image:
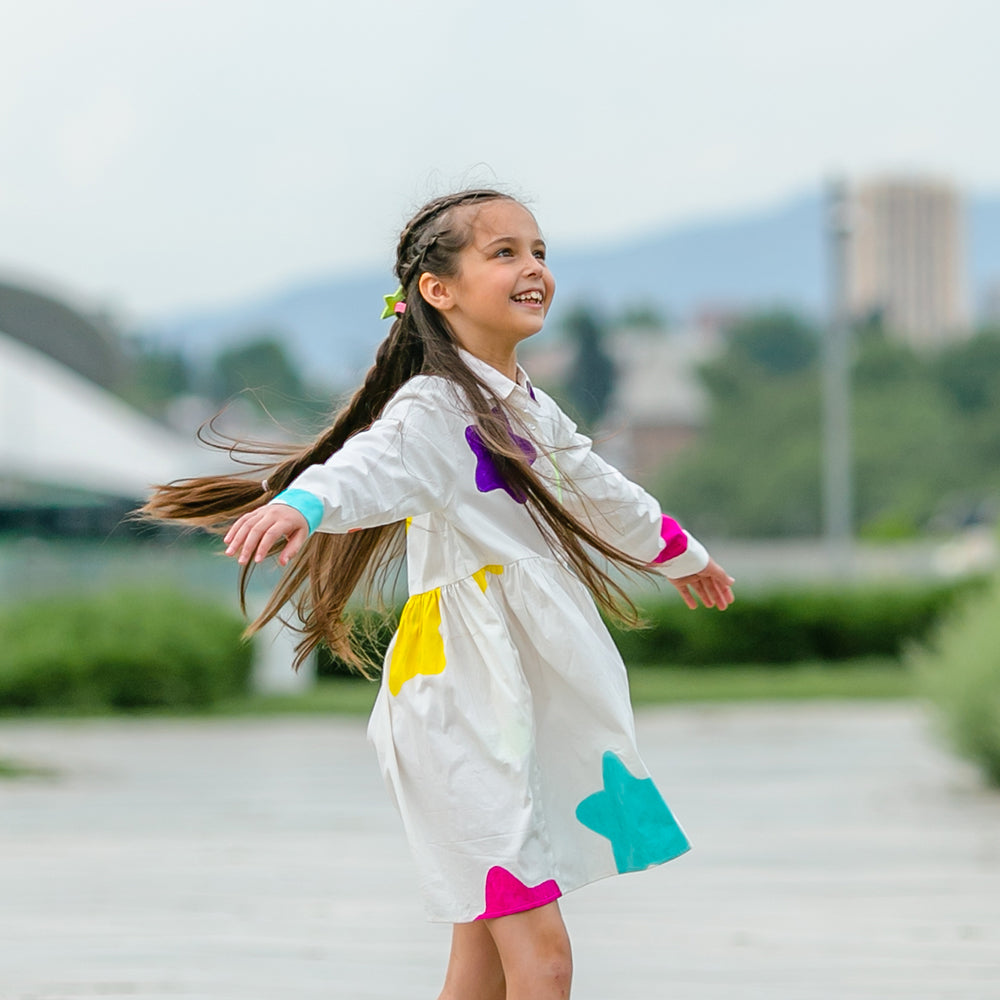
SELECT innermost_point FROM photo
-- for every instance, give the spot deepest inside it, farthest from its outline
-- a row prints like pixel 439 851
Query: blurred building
pixel 49 323
pixel 658 406
pixel 907 259
pixel 74 458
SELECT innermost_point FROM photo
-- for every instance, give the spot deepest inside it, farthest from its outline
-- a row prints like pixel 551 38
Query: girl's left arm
pixel 713 586
pixel 628 517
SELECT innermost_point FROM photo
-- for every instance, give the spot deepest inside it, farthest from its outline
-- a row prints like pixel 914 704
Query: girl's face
pixel 503 287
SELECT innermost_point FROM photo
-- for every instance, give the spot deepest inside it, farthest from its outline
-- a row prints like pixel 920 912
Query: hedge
pixel 959 669
pixel 120 650
pixel 776 627
pixel 789 626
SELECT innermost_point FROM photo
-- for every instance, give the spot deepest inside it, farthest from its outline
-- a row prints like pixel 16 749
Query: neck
pixel 503 360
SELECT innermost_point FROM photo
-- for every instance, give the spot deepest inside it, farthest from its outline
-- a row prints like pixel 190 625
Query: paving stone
pixel 839 852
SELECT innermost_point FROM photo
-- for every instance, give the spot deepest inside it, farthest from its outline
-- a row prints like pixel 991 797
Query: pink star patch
pixel 506 894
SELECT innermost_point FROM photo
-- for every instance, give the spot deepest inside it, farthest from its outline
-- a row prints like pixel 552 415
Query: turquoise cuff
pixel 307 504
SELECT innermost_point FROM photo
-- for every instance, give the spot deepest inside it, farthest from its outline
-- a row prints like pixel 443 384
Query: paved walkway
pixel 840 854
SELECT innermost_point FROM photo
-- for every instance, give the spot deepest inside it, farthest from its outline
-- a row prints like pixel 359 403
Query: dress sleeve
pixel 620 511
pixel 395 469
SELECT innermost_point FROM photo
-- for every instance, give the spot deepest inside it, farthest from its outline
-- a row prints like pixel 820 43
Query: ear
pixel 436 291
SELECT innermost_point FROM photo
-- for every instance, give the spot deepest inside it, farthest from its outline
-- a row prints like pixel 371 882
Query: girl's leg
pixel 474 969
pixel 535 951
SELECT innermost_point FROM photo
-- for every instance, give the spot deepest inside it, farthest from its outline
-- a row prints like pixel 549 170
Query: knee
pixel 535 952
pixel 557 972
pixel 553 965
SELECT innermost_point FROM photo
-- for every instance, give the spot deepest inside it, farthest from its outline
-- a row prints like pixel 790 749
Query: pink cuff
pixel 675 541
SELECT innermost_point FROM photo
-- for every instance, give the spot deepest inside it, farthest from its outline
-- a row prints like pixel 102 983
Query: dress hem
pixel 566 891
pixel 534 905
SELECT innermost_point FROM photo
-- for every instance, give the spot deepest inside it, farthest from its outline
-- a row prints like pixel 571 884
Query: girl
pixel 503 726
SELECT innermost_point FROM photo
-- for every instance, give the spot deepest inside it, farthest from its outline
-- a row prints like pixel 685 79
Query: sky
pixel 164 155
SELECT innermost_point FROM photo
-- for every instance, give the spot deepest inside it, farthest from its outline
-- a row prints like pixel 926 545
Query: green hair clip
pixel 394 304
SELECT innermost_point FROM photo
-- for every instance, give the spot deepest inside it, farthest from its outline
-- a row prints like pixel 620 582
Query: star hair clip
pixel 395 304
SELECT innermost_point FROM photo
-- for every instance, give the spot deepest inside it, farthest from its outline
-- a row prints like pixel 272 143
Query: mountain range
pixel 770 256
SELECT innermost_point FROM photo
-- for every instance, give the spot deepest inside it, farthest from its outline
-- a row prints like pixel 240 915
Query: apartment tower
pixel 906 259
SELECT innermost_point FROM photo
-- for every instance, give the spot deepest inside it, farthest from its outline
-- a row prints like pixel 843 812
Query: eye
pixel 540 254
pixel 504 252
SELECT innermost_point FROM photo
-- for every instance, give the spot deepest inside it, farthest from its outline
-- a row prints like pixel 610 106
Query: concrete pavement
pixel 840 852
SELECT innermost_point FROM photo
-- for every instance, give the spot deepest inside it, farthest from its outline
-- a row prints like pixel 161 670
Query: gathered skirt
pixel 504 732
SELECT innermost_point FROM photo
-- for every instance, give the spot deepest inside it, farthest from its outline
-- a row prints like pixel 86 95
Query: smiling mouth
pixel 534 297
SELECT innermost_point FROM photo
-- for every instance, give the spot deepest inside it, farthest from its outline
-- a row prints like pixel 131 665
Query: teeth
pixel 528 297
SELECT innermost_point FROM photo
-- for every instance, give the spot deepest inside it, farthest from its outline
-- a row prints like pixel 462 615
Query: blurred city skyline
pixel 158 156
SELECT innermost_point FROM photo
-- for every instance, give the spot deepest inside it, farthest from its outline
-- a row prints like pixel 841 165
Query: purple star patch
pixel 488 476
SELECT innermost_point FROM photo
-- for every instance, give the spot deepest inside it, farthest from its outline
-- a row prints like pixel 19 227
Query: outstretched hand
pixel 254 534
pixel 713 586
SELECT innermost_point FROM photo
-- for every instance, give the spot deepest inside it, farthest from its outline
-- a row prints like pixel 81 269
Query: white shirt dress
pixel 503 725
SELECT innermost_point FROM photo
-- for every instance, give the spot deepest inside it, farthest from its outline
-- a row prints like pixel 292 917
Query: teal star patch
pixel 631 813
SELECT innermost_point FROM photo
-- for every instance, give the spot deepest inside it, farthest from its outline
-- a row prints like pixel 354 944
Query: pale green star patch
pixel 391 301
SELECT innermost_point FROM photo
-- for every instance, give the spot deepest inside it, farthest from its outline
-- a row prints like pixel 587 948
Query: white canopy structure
pixel 58 430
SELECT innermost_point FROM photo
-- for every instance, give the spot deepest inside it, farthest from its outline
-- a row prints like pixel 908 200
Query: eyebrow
pixel 511 239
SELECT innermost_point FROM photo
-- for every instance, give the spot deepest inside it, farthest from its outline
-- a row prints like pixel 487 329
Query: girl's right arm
pixel 399 467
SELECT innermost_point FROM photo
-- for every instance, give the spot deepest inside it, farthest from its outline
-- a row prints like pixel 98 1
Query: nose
pixel 533 265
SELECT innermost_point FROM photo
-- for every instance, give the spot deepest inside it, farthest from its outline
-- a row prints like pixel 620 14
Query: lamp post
pixel 837 479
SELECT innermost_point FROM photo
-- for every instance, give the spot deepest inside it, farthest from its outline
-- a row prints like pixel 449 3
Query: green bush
pixel 777 627
pixel 787 626
pixel 120 650
pixel 959 668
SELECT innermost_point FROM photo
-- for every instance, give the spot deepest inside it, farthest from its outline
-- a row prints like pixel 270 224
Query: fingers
pixel 253 535
pixel 686 596
pixel 720 597
pixel 724 594
pixel 244 537
pixel 293 543
pixel 712 586
pixel 237 534
pixel 705 589
pixel 717 592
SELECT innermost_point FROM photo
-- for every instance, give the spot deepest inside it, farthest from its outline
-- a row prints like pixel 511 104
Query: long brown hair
pixel 319 581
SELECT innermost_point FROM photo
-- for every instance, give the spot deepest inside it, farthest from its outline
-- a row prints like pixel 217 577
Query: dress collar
pixel 501 386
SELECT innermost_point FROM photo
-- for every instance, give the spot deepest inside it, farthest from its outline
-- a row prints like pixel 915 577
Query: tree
pixel 262 366
pixel 591 380
pixel 909 453
pixel 926 434
pixel 773 343
pixel 643 315
pixel 755 469
pixel 155 376
pixel 969 371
